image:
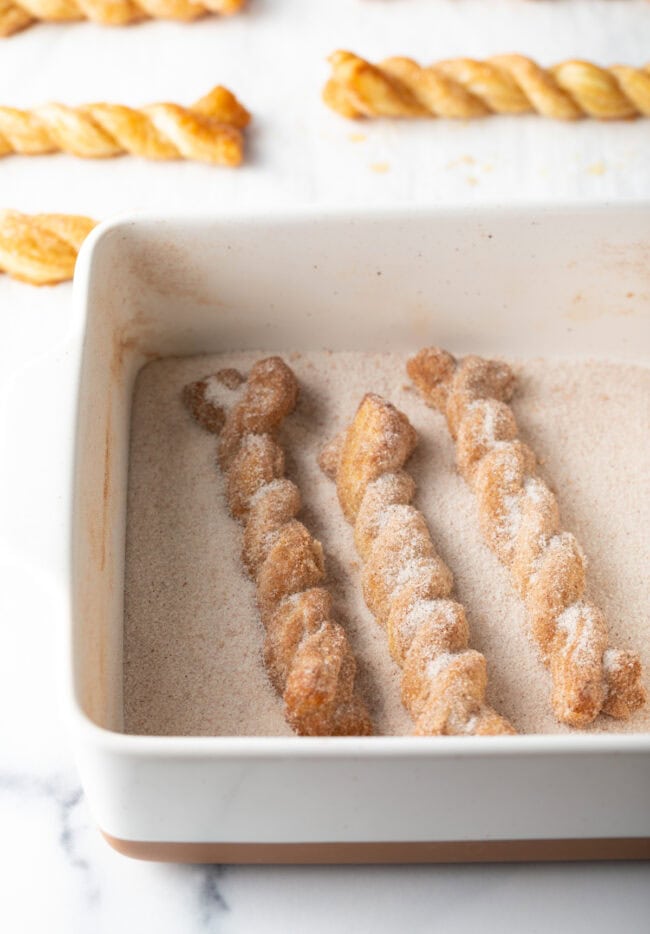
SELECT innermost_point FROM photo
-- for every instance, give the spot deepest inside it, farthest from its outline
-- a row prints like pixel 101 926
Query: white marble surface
pixel 56 874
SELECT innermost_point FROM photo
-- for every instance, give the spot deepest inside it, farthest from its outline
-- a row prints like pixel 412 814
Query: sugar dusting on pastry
pixel 548 564
pixel 193 647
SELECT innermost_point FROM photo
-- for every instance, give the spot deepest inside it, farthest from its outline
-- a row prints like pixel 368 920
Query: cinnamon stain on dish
pixel 461 161
pixel 167 268
pixel 586 309
pixel 126 339
pixel 628 258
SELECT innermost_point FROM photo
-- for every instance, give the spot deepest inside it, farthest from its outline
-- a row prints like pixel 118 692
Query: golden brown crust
pixel 406 585
pixel 464 88
pixel 202 398
pixel 300 615
pixel 209 131
pixel 625 681
pixel 319 694
pixel 329 457
pixel 294 563
pixel 18 14
pixel 307 654
pixel 209 416
pixel 258 462
pixel 389 489
pixel 520 522
pixel 403 557
pixel 272 508
pixel 271 394
pixel 364 455
pixel 41 248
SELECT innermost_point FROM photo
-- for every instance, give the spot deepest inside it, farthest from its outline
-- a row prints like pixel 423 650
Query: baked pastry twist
pixel 504 84
pixel 307 654
pixel 18 14
pixel 41 248
pixel 520 522
pixel 208 131
pixel 406 585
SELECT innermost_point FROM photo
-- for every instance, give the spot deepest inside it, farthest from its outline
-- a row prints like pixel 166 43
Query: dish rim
pixel 281 747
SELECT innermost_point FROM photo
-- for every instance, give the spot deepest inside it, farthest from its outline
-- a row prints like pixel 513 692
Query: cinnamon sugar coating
pixel 320 686
pixel 403 557
pixel 199 398
pixel 258 462
pixel 271 394
pixel 306 652
pixel 406 585
pixel 271 508
pixel 304 614
pixel 209 416
pixel 520 522
pixel 379 441
pixel 293 564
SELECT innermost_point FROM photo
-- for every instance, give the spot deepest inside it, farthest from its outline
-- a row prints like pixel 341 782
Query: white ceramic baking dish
pixel 530 281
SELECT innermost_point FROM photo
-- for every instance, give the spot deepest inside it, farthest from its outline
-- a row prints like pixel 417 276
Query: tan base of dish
pixel 455 851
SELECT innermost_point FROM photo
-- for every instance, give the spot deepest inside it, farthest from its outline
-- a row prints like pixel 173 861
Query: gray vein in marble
pixel 211 902
pixel 73 824
pixel 66 798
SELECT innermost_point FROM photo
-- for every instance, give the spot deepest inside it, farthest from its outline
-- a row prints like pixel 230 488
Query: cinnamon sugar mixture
pixel 192 640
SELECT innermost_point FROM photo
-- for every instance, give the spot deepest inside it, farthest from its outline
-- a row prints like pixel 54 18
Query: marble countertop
pixel 56 872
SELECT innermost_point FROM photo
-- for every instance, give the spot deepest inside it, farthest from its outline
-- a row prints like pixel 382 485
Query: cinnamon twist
pixel 208 131
pixel 18 14
pixel 41 248
pixel 504 84
pixel 307 654
pixel 520 522
pixel 406 585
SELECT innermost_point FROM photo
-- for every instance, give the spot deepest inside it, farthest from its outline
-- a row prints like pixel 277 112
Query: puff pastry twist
pixel 504 84
pixel 208 131
pixel 41 248
pixel 520 521
pixel 406 585
pixel 18 14
pixel 307 654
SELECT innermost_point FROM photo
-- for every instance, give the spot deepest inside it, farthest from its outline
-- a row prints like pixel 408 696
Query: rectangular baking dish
pixel 530 281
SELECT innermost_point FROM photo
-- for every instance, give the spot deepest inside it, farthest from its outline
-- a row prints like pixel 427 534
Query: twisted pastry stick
pixel 41 248
pixel 520 522
pixel 208 131
pixel 307 654
pixel 503 84
pixel 406 585
pixel 18 14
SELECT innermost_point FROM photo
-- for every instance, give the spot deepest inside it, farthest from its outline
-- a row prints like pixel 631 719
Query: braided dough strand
pixel 520 522
pixel 18 14
pixel 307 654
pixel 504 84
pixel 209 131
pixel 41 248
pixel 406 585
